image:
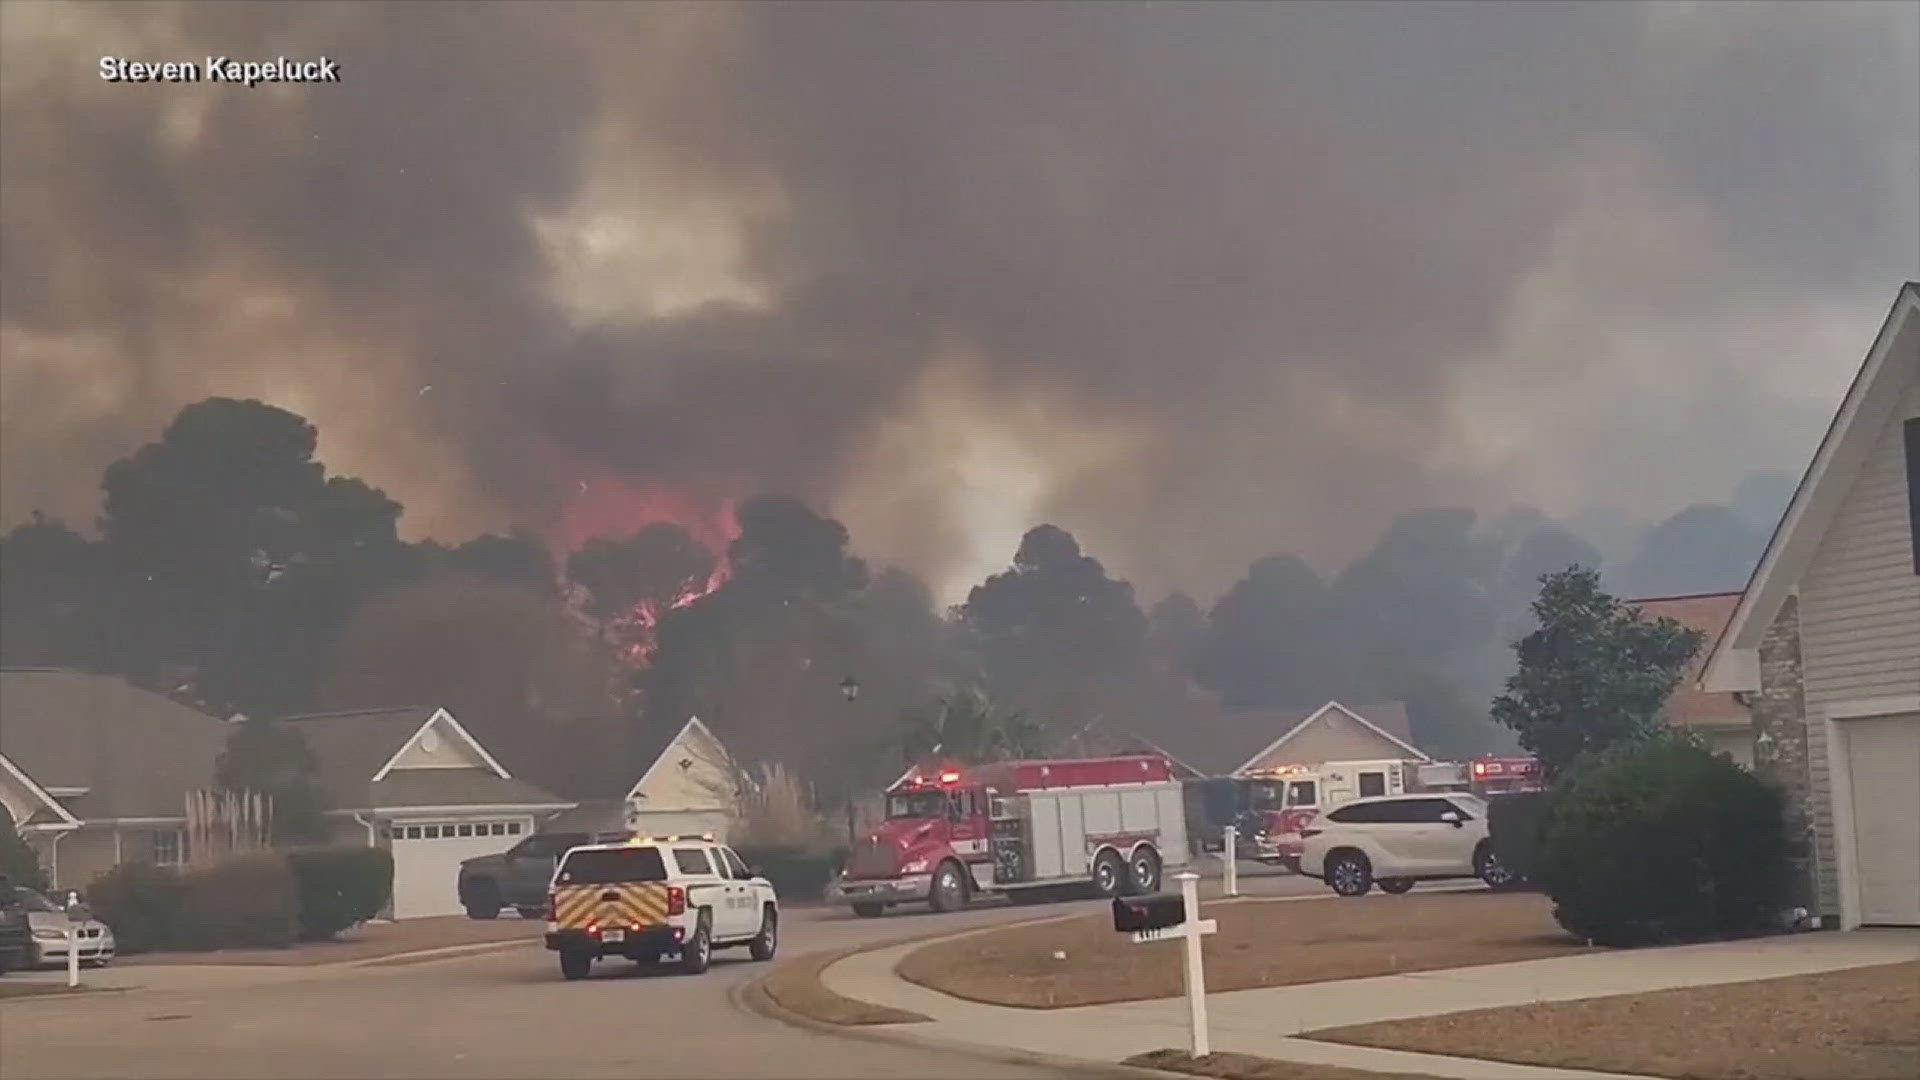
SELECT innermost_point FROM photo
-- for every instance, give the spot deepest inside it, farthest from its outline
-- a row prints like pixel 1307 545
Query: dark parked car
pixel 516 878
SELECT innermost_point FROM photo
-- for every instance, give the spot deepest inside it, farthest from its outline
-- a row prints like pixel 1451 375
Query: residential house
pixel 1721 720
pixel 690 785
pixel 1233 742
pixel 414 781
pixel 96 771
pixel 1825 644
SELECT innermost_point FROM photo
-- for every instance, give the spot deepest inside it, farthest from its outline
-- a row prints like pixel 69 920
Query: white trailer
pixel 1119 838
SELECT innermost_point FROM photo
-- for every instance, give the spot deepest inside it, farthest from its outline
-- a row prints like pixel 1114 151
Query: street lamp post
pixel 850 689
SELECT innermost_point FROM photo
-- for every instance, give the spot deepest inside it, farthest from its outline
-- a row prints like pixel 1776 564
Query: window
pixel 735 864
pixel 513 828
pixel 721 866
pixel 1362 814
pixel 918 804
pixel 466 830
pixel 1427 811
pixel 432 832
pixel 692 860
pixel 612 866
pixel 1912 428
pixel 1302 793
pixel 1372 783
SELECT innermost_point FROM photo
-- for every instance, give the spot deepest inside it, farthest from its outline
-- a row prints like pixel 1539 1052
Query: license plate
pixel 613 935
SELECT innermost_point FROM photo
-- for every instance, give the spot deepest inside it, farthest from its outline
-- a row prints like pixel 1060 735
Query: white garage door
pixel 1884 755
pixel 427 857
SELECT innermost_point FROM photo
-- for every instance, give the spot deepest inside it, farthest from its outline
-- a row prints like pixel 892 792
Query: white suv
pixel 1396 840
pixel 645 897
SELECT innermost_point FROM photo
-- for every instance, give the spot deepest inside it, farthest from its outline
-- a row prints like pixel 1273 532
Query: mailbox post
pixel 1163 918
pixel 1232 856
pixel 74 915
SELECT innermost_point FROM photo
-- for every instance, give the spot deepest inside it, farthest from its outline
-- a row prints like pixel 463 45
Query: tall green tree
pixel 1055 635
pixel 1277 638
pixel 53 598
pixel 967 725
pixel 273 758
pixel 1595 674
pixel 18 863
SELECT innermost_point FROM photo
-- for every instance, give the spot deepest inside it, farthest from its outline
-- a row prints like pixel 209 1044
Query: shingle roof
pixel 1708 613
pixel 1216 741
pixel 136 752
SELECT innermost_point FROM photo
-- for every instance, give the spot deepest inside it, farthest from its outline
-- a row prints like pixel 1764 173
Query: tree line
pixel 232 570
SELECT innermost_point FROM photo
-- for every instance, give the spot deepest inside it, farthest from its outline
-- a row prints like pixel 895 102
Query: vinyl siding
pixel 1860 614
pixel 1333 737
pixel 705 784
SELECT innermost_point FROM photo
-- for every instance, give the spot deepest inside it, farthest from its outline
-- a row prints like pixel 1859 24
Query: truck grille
pixel 871 860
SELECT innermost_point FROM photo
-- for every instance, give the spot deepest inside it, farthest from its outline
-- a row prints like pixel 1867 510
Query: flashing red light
pixel 593 928
pixel 949 777
pixel 634 927
pixel 1479 768
pixel 676 900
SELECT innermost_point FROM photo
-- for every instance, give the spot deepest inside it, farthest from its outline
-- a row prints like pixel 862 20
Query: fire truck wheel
pixel 1349 873
pixel 1109 875
pixel 867 910
pixel 1144 871
pixel 949 892
pixel 1396 885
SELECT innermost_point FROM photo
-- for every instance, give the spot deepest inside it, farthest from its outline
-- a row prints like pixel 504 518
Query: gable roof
pixel 1709 614
pixel 692 726
pixel 1864 412
pixel 355 752
pixel 135 753
pixel 1333 708
pixel 1209 740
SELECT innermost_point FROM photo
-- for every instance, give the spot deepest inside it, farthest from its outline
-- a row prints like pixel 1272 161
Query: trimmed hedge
pixel 1664 841
pixel 141 903
pixel 796 875
pixel 339 887
pixel 243 903
pixel 1514 823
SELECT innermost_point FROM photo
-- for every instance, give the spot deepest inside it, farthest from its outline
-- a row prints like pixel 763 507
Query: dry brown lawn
pixel 1260 943
pixel 796 987
pixel 1247 1067
pixel 1860 1024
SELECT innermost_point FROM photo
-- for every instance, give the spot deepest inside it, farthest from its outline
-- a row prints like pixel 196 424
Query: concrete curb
pixel 751 997
pixel 423 956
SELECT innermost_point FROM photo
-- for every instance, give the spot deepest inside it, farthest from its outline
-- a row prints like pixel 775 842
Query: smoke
pixel 1196 284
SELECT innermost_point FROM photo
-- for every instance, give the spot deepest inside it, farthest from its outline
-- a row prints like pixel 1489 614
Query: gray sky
pixel 1197 282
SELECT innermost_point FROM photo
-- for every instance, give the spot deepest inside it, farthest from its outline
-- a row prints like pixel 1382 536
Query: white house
pixel 689 788
pixel 1825 643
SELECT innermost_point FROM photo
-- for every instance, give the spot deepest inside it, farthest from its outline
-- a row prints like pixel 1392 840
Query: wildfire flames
pixel 611 508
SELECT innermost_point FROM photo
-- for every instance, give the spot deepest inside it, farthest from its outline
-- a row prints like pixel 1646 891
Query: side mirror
pixel 1452 817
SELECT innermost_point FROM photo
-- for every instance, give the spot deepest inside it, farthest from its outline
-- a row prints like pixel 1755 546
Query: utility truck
pixel 1032 830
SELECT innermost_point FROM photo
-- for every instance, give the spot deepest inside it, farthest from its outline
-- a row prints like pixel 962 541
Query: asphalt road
pixel 505 1014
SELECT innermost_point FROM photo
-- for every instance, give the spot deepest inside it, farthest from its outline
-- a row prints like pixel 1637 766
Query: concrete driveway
pixel 505 1014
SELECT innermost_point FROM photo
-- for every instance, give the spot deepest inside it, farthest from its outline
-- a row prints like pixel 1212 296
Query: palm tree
pixel 967 725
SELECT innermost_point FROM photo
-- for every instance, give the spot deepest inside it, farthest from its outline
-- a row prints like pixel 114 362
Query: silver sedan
pixel 51 926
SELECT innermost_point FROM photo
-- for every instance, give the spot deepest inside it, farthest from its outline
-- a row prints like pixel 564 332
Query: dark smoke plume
pixel 1198 283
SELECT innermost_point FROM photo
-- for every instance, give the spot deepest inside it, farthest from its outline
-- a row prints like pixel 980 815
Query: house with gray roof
pixel 95 771
pixel 1234 742
pixel 416 782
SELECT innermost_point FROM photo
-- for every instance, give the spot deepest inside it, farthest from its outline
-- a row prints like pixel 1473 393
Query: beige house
pixel 690 787
pixel 96 771
pixel 1825 644
pixel 1231 742
pixel 414 781
pixel 1721 720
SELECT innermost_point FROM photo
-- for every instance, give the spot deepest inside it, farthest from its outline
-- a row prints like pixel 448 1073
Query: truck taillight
pixel 676 900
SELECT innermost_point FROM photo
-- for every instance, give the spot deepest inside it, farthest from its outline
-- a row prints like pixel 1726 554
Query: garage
pixel 427 857
pixel 1883 758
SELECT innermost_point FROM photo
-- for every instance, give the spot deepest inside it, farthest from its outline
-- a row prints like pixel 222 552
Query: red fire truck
pixel 1500 775
pixel 1029 829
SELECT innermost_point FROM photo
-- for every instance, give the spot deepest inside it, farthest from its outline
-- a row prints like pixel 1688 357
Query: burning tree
pixel 631 584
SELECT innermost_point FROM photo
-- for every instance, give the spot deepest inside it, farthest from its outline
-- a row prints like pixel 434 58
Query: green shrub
pixel 243 903
pixel 18 863
pixel 339 887
pixel 1663 841
pixel 1514 822
pixel 141 903
pixel 795 874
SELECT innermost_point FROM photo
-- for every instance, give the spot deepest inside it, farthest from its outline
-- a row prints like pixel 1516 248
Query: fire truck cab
pixel 952 831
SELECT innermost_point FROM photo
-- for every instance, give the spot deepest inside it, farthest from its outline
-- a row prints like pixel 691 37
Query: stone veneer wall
pixel 1780 746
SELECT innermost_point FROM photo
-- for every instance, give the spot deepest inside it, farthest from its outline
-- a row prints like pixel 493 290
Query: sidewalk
pixel 1264 1022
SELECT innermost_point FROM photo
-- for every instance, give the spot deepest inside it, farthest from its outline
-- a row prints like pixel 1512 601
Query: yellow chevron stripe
pixel 578 906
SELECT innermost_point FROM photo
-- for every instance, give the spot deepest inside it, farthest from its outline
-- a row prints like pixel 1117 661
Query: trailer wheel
pixel 1109 874
pixel 949 893
pixel 1144 870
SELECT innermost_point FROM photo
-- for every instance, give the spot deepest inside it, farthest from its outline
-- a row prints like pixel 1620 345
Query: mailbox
pixel 1132 913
